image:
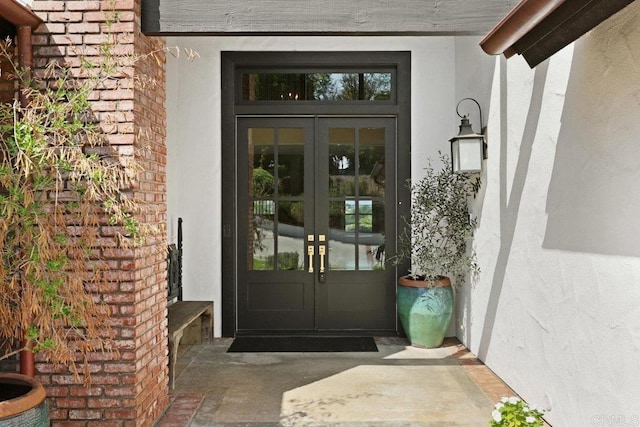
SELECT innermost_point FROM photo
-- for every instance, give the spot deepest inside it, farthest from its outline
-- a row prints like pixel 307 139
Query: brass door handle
pixel 322 251
pixel 310 252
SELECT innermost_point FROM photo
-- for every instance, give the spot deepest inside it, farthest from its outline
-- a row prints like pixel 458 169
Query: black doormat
pixel 287 344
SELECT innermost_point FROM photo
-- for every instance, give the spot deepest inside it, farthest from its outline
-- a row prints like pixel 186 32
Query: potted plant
pixel 435 242
pixel 514 412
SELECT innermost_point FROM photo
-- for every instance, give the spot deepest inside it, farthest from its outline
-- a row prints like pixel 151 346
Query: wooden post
pixel 25 61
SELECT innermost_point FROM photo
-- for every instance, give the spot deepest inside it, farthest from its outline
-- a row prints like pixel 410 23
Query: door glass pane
pixel 342 143
pixel 290 197
pixel 321 86
pixel 261 162
pixel 276 215
pixel 342 234
pixel 261 244
pixel 356 212
pixel 371 248
pixel 290 162
pixel 291 235
pixel 371 171
pixel 377 86
pixel 261 143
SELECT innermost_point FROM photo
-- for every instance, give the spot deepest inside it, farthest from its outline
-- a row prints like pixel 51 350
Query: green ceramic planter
pixel 425 310
pixel 22 402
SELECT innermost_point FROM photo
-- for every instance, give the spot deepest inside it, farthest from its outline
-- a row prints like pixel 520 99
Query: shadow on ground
pixel 398 386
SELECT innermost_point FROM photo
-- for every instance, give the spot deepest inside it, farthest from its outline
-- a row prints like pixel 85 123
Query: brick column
pixel 131 390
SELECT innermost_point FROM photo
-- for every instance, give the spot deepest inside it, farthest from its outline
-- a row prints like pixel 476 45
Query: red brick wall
pixel 131 390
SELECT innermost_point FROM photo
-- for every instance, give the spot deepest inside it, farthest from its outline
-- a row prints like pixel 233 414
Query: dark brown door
pixel 316 220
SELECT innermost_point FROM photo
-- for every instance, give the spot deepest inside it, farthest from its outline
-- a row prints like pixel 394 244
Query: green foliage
pixel 336 86
pixel 263 182
pixel 60 184
pixel 376 86
pixel 321 86
pixel 513 412
pixel 436 237
pixel 286 261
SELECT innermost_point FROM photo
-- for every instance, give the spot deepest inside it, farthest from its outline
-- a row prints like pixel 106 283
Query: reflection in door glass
pixel 290 197
pixel 261 205
pixel 358 216
pixel 371 238
pixel 356 226
pixel 356 213
pixel 276 191
pixel 327 86
pixel 290 162
pixel 261 170
pixel 342 162
pixel 290 235
pixel 261 244
pixel 371 162
pixel 341 240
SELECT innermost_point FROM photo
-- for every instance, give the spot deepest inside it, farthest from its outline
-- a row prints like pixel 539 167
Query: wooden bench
pixel 181 315
pixel 184 316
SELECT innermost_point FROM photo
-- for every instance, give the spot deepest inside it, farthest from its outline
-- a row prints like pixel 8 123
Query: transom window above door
pixel 318 85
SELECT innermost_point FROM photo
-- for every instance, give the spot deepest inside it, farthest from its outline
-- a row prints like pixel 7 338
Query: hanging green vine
pixel 61 184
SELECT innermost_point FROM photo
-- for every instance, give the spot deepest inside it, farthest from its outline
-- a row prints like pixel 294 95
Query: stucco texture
pixel 556 310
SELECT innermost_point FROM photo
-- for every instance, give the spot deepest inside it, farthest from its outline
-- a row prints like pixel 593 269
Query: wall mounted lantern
pixel 468 148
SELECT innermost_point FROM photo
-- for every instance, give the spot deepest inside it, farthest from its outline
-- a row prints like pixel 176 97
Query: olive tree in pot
pixel 436 243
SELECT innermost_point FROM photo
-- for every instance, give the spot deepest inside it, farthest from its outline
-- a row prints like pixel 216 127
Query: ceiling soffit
pixel 536 29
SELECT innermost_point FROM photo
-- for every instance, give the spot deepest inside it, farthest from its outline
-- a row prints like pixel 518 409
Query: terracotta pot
pixel 22 402
pixel 425 309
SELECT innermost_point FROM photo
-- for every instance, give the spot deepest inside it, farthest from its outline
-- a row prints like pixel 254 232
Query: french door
pixel 316 222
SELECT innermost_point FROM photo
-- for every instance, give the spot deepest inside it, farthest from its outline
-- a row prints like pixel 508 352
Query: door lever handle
pixel 322 276
pixel 322 251
pixel 310 252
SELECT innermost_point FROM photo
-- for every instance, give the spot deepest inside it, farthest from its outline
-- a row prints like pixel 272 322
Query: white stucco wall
pixel 556 311
pixel 194 133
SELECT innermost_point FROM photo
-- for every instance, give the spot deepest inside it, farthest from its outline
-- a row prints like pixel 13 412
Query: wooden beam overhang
pixel 321 17
pixel 18 20
pixel 15 15
pixel 536 29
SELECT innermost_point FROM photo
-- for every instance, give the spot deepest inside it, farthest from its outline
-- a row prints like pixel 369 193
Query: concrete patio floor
pixel 399 385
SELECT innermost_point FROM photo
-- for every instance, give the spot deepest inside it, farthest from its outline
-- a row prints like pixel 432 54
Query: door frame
pixel 232 64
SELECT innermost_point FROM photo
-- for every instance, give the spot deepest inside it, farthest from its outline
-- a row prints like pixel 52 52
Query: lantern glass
pixel 466 153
